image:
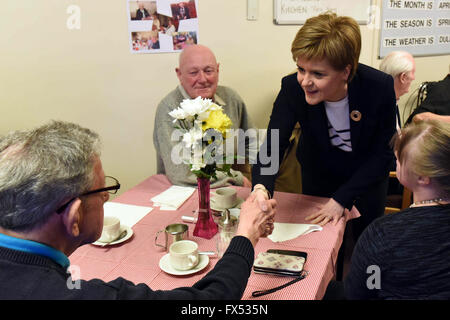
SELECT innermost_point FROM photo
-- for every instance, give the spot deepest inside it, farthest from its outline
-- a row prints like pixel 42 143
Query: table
pixel 138 258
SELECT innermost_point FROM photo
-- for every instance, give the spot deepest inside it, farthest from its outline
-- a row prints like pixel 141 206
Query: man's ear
pixel 178 72
pixel 403 77
pixel 72 218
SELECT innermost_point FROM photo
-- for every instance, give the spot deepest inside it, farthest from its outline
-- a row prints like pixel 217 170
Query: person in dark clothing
pixel 142 13
pixel 52 191
pixel 346 124
pixel 402 67
pixel 182 12
pixel 405 255
pixel 436 104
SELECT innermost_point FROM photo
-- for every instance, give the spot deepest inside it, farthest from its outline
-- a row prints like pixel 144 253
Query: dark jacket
pixel 437 100
pixel 326 170
pixel 30 276
pixel 140 15
pixel 403 255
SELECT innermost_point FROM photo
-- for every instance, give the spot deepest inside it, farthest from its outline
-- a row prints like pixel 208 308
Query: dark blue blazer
pixel 326 170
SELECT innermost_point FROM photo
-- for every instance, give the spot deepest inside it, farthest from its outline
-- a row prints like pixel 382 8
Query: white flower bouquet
pixel 204 127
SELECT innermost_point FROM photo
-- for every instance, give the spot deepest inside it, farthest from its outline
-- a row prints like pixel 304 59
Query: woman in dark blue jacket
pixel 346 112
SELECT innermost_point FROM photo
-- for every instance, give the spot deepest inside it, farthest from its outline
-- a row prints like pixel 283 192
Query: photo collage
pixel 162 25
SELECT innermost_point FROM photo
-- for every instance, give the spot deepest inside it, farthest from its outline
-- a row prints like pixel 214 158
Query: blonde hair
pixel 338 39
pixel 426 147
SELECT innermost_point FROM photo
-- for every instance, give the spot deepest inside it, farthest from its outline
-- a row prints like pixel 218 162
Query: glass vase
pixel 205 226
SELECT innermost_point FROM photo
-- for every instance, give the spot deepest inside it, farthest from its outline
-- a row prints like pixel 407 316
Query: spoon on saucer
pixel 123 234
pixel 208 253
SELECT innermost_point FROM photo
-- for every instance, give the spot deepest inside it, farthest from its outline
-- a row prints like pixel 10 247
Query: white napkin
pixel 172 198
pixel 288 231
pixel 128 214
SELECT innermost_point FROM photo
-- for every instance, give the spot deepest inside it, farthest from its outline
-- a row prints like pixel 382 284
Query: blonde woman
pixel 407 252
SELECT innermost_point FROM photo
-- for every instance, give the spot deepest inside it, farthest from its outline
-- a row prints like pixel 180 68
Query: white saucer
pixel 123 239
pixel 238 203
pixel 165 265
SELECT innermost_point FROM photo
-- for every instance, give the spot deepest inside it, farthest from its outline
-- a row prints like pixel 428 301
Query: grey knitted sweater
pixel 180 174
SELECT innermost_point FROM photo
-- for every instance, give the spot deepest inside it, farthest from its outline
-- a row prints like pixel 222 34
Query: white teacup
pixel 184 255
pixel 224 198
pixel 111 229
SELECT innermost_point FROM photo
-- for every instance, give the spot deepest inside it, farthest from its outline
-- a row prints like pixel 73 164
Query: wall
pixel 90 77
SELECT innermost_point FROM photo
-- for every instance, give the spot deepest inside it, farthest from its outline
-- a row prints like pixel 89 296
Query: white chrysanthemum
pixel 194 107
pixel 197 159
pixel 178 114
pixel 197 107
pixel 201 116
pixel 194 135
pixel 197 166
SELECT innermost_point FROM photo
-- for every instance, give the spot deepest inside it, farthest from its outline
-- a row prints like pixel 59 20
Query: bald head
pixel 195 49
pixel 198 71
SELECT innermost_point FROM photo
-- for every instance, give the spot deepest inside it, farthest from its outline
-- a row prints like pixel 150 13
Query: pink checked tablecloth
pixel 138 258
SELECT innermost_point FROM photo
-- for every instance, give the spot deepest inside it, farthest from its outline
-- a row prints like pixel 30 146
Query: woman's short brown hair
pixel 338 39
pixel 424 148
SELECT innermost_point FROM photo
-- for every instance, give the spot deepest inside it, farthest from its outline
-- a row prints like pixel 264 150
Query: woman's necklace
pixel 418 203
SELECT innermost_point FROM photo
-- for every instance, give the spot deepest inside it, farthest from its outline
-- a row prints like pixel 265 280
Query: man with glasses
pixel 113 183
pixel 52 191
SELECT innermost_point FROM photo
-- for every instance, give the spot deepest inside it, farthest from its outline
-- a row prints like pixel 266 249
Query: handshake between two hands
pixel 255 222
pixel 255 225
pixel 332 211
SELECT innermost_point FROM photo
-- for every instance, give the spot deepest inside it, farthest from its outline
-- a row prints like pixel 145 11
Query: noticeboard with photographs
pixel 162 25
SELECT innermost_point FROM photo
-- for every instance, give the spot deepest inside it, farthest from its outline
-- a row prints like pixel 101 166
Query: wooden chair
pixel 405 201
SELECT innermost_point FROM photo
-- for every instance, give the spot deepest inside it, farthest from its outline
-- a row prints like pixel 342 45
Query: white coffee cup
pixel 111 229
pixel 224 197
pixel 184 255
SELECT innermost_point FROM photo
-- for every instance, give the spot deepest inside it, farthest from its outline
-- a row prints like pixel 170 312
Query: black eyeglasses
pixel 111 189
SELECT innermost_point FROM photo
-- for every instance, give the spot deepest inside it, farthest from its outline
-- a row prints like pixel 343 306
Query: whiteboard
pixel 421 27
pixel 298 11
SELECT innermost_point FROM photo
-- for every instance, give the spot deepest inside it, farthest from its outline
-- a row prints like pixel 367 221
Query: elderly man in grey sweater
pixel 198 73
